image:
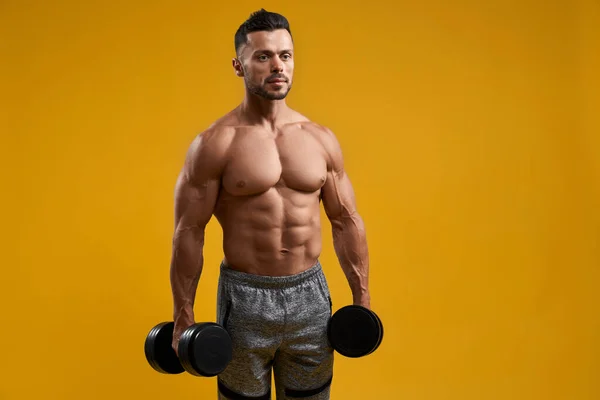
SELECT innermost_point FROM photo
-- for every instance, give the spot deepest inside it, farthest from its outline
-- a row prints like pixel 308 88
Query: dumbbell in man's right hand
pixel 202 349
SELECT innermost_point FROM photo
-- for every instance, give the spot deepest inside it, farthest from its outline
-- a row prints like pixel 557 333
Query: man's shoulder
pixel 217 136
pixel 220 128
pixel 209 147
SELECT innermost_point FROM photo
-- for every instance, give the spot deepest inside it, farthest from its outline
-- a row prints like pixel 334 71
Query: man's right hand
pixel 177 332
pixel 175 344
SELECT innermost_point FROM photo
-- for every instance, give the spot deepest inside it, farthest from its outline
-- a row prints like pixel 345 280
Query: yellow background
pixel 471 133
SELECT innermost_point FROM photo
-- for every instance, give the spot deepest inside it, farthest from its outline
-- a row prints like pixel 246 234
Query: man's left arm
pixel 348 229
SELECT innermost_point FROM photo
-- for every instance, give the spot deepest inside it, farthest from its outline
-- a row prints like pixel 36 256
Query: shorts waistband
pixel 266 282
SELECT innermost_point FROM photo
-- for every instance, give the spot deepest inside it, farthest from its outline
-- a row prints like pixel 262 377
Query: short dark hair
pixel 261 20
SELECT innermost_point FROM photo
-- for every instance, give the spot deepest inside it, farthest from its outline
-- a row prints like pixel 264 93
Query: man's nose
pixel 277 65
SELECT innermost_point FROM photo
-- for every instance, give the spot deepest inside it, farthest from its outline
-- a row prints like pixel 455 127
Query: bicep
pixel 197 186
pixel 194 201
pixel 338 196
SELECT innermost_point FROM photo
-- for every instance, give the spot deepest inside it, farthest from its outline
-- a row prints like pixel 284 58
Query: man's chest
pixel 258 162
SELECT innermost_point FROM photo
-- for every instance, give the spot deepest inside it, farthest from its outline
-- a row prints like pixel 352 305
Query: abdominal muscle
pixel 276 233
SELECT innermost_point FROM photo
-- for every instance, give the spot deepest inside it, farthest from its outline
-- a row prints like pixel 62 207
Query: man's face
pixel 267 64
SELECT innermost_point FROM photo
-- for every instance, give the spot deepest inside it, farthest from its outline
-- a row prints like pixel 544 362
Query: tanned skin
pixel 262 170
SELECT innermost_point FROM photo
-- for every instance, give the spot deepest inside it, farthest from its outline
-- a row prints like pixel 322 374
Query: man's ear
pixel 237 67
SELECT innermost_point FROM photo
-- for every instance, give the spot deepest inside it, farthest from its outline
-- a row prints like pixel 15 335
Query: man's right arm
pixel 196 193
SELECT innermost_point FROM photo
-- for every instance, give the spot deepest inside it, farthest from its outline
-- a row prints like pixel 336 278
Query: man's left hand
pixel 364 300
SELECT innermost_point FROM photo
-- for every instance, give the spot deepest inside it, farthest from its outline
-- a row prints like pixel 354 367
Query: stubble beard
pixel 261 91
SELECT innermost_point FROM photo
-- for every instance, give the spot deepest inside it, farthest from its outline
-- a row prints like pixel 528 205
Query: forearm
pixel 186 267
pixel 350 244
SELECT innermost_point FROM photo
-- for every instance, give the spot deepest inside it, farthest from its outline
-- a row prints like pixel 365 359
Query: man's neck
pixel 260 111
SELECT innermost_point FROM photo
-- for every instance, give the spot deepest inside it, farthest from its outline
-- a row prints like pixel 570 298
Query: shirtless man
pixel 263 169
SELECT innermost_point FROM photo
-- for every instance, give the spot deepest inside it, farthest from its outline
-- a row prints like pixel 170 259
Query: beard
pixel 260 90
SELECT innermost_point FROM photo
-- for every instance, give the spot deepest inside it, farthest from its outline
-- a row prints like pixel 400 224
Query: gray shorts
pixel 278 326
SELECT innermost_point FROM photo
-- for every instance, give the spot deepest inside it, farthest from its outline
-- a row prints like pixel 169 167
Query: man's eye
pixel 263 58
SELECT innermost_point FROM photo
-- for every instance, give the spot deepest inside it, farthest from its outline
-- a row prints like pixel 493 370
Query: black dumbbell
pixel 355 331
pixel 204 349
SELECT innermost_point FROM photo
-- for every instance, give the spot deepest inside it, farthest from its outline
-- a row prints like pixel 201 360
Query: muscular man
pixel 263 169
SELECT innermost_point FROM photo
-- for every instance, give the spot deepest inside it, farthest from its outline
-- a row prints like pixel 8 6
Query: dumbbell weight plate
pixel 355 331
pixel 380 333
pixel 159 351
pixel 205 349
